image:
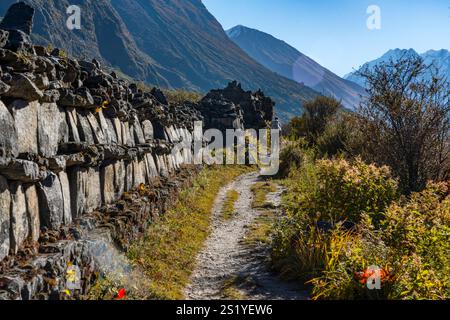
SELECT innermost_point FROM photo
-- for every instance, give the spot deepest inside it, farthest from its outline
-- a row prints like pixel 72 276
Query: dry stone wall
pixel 73 140
pixel 86 161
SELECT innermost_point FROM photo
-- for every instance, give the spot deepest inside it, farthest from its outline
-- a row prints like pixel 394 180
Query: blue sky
pixel 334 32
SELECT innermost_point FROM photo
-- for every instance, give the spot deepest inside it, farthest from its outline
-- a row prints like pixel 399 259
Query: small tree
pixel 311 125
pixel 405 121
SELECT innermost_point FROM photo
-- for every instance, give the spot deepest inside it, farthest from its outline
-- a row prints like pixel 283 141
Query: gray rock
pixel 26 122
pixel 51 202
pixel 99 137
pixel 118 128
pixel 5 211
pixel 84 128
pixel 32 201
pixel 78 186
pixel 119 178
pixel 21 87
pixel 4 88
pixel 65 189
pixel 3 38
pixel 8 133
pixel 19 218
pixel 82 99
pixel 128 176
pixel 107 182
pixel 19 17
pixel 23 171
pixel 93 190
pixel 147 129
pixel 72 122
pixel 52 129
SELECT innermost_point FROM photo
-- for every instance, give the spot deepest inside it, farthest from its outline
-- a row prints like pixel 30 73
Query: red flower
pixel 121 294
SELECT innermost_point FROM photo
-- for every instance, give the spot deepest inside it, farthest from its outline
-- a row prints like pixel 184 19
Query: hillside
pixel 287 61
pixel 173 44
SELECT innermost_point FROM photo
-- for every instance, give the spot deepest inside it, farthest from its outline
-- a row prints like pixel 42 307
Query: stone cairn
pixel 84 153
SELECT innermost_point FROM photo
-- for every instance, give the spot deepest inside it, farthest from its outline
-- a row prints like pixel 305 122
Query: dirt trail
pixel 225 257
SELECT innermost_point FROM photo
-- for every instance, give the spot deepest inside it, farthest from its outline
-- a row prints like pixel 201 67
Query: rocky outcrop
pixel 233 107
pixel 85 155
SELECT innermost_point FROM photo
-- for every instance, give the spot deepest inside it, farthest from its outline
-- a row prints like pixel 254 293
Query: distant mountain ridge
pixel 439 58
pixel 287 61
pixel 170 43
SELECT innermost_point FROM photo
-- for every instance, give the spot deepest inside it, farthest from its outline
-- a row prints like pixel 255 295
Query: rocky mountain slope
pixel 438 58
pixel 287 61
pixel 171 43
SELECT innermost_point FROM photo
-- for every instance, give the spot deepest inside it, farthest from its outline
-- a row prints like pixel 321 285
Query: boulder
pixel 22 87
pixel 19 218
pixel 32 201
pixel 26 122
pixel 93 190
pixel 19 17
pixel 8 133
pixel 5 211
pixel 51 202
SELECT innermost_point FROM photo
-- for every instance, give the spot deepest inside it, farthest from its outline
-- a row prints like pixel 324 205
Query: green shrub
pixel 339 190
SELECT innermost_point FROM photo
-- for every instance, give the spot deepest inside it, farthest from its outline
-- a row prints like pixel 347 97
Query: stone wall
pixel 74 141
pixel 86 159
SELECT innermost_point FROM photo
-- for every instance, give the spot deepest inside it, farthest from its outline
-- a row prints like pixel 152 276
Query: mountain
pixel 170 43
pixel 287 61
pixel 440 59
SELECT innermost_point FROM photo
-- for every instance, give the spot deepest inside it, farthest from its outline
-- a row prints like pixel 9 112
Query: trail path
pixel 225 257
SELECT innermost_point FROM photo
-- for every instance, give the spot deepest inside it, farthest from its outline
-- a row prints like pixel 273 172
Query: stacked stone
pixel 233 107
pixel 73 137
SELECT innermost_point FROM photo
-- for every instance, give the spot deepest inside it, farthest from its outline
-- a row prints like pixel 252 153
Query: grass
pixel 261 230
pixel 228 210
pixel 260 191
pixel 167 254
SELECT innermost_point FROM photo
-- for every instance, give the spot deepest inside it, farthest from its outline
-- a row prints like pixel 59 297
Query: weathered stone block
pixel 26 122
pixel 147 129
pixel 72 121
pixel 77 184
pixel 107 181
pixel 22 170
pixel 84 128
pixel 118 128
pixel 32 201
pixel 5 212
pixel 21 87
pixel 119 178
pixel 99 137
pixel 128 176
pixel 65 189
pixel 52 129
pixel 19 219
pixel 51 202
pixel 8 133
pixel 93 190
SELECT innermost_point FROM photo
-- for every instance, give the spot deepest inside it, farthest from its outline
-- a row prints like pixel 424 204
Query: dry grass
pixel 168 253
pixel 228 210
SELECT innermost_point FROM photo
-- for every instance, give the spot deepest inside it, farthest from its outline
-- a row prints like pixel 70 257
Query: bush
pixel 339 190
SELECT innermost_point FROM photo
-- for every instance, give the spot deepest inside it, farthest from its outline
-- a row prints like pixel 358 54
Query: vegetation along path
pixel 228 267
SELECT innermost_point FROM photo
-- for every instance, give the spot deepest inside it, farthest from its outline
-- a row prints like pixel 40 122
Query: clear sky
pixel 335 32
